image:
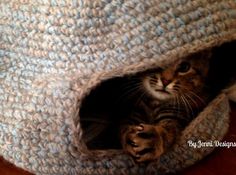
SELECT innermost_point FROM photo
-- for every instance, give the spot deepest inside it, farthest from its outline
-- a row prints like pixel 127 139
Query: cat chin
pixel 157 94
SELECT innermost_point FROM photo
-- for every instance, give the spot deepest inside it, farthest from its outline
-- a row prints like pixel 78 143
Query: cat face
pixel 183 78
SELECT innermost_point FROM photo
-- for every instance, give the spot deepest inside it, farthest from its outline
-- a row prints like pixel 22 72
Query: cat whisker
pixel 191 93
pixel 129 92
pixel 190 99
pixel 188 106
pixel 130 87
pixel 198 97
pixel 194 103
pixel 140 98
pixel 129 83
pixel 178 104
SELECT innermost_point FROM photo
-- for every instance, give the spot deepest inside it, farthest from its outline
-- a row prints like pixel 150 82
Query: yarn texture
pixel 53 53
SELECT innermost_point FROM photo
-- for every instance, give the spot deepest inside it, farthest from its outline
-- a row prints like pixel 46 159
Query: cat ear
pixel 207 53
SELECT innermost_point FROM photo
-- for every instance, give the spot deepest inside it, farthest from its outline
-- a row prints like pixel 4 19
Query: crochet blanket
pixel 53 53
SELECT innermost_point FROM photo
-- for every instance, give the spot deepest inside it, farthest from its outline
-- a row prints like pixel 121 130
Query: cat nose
pixel 165 82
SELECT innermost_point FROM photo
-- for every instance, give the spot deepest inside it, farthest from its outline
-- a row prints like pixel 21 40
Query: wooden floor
pixel 221 162
pixel 9 169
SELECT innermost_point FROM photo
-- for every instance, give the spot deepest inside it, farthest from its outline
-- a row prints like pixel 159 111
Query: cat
pixel 171 97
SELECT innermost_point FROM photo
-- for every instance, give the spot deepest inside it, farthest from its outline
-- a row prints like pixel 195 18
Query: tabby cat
pixel 172 96
pixel 144 114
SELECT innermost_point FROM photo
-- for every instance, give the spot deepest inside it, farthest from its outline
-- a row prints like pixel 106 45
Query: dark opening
pixel 102 110
pixel 110 102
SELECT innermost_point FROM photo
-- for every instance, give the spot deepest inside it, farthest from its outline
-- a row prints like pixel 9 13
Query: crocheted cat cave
pixel 53 53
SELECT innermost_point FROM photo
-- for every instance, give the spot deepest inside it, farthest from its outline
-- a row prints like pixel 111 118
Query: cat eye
pixel 183 67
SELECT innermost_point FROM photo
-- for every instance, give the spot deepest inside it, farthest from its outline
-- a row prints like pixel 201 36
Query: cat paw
pixel 143 142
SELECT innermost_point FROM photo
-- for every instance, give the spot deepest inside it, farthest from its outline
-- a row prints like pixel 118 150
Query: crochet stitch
pixel 53 53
